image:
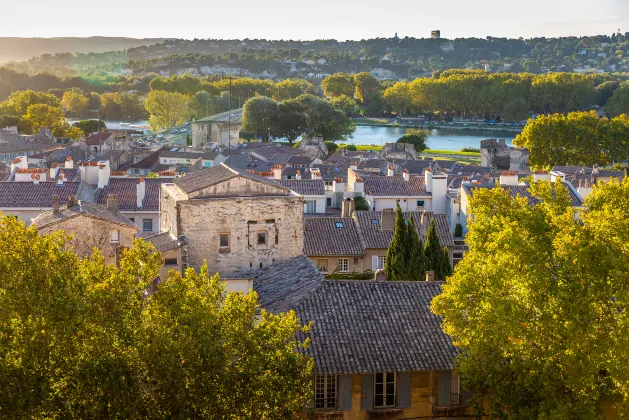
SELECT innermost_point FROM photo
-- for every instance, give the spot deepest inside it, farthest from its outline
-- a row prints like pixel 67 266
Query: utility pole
pixel 229 119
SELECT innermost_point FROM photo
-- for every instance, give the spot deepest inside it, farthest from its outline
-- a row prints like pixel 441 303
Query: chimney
pixel 389 171
pixel 315 174
pixel 595 169
pixel 55 204
pixel 61 179
pixel 509 178
pixel 277 172
pixel 103 174
pixel 380 275
pixel 112 202
pixel 54 170
pixel 338 186
pixel 406 175
pixel 541 176
pixel 430 276
pixel 354 165
pixel 428 179
pixel 71 201
pixel 352 207
pixel 140 192
pixel 69 163
pixel 387 219
pixel 35 178
pixel 344 208
pixel 298 175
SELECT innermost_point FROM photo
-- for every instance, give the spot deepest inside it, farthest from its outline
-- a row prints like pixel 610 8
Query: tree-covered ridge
pixel 82 339
pixel 538 305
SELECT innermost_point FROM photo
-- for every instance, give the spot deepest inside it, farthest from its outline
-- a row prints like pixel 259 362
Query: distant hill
pixel 18 49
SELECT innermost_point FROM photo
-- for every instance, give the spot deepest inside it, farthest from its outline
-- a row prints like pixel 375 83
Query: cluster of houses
pixel 277 220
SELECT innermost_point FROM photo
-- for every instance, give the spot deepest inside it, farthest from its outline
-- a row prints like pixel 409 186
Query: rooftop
pixel 331 236
pixel 82 208
pixel 395 186
pixel 236 116
pixel 304 186
pixel 31 195
pixel 126 190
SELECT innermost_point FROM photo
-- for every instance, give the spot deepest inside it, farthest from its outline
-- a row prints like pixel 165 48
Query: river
pixel 439 139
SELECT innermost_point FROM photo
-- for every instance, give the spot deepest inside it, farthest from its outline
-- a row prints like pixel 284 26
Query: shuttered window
pixel 384 389
pixel 325 391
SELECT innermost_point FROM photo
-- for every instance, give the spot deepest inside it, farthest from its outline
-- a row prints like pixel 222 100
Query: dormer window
pixel 340 225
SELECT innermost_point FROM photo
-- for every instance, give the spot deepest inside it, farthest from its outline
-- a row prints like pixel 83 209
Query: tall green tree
pixel 338 84
pixel 42 116
pixel 538 305
pixel 365 86
pixel 82 339
pixel 259 115
pixel 417 261
pixel 167 109
pixel 436 259
pixel 398 97
pixel 74 102
pixel 618 103
pixel 396 263
pixel 323 120
pixel 290 122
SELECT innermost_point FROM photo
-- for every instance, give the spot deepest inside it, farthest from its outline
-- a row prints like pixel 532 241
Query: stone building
pixel 91 225
pixel 496 154
pixel 233 220
pixel 314 147
pixel 221 129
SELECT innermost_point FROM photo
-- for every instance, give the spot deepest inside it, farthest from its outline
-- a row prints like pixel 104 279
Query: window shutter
pixel 404 389
pixel 374 263
pixel 345 392
pixel 366 402
pixel 443 400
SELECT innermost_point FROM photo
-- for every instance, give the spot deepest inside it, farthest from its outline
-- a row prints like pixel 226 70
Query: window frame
pixel 168 261
pixel 381 262
pixel 262 233
pixel 343 261
pixel 114 236
pixel 327 262
pixel 144 222
pixel 455 389
pixel 323 394
pixel 220 237
pixel 385 376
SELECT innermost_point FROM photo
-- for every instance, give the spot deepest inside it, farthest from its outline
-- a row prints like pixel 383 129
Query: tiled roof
pixel 323 237
pixel 284 285
pixel 161 241
pixel 217 174
pixel 395 186
pixel 188 155
pixel 330 172
pixel 246 162
pixel 304 186
pixel 28 194
pixel 97 139
pixel 272 150
pixel 73 174
pixel 370 165
pixel 358 155
pixel 126 190
pixel 369 327
pixel 523 191
pixel 299 160
pixel 374 237
pixel 82 208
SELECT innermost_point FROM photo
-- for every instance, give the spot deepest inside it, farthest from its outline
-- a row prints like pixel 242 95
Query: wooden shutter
pixel 345 392
pixel 374 263
pixel 443 399
pixel 366 402
pixel 404 389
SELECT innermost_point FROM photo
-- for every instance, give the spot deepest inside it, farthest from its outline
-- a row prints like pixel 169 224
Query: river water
pixel 440 139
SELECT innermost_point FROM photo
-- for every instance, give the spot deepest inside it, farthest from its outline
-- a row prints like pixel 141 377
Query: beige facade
pixel 89 232
pixel 348 264
pixel 236 224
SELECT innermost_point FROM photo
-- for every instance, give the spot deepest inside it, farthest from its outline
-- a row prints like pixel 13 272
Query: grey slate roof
pixel 82 208
pixel 322 237
pixel 188 155
pixel 304 186
pixel 126 190
pixel 284 285
pixel 161 241
pixel 395 186
pixel 299 160
pixel 369 327
pixel 28 194
pixel 217 174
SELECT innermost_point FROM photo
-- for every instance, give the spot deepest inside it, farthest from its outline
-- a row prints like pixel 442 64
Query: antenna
pixel 229 119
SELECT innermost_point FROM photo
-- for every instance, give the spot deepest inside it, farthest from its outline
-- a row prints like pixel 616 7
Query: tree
pixel 74 102
pixel 458 231
pixel 361 203
pixel 259 116
pixel 323 120
pixel 167 109
pixel 290 89
pixel 396 263
pixel 618 103
pixel 365 86
pixel 338 84
pixel 18 102
pixel 538 305
pixel 90 126
pixel 346 105
pixel 398 97
pixel 80 338
pixel 188 140
pixel 436 260
pixel 415 137
pixel 417 261
pixel 75 133
pixel 290 122
pixel 41 115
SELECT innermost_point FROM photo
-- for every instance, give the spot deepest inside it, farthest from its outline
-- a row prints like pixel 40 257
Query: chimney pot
pixel 112 202
pixel 387 219
pixel 430 276
pixel 55 204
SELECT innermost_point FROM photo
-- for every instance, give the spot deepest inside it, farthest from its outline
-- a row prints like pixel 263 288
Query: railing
pixel 455 399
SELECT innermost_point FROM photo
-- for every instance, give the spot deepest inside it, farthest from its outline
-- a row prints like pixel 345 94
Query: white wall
pixel 406 203
pixel 138 218
pixel 319 200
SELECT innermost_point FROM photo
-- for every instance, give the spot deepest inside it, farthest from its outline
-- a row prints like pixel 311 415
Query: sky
pixel 314 19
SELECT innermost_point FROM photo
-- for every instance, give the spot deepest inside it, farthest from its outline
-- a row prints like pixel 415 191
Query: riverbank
pixel 376 122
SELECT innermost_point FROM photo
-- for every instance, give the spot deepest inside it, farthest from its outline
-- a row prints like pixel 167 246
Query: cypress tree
pixel 446 267
pixel 417 259
pixel 396 262
pixel 432 250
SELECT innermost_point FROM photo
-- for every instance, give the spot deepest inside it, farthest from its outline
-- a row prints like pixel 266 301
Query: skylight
pixel 340 225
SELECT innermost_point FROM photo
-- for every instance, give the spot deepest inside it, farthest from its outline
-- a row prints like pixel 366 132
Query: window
pixel 343 265
pixel 384 390
pixel 132 219
pixel 455 389
pixel 340 225
pixel 261 238
pixel 355 261
pixel 420 203
pixel 323 265
pixel 381 261
pixel 147 225
pixel 114 236
pixel 170 261
pixel 223 240
pixel 375 221
pixel 328 202
pixel 325 391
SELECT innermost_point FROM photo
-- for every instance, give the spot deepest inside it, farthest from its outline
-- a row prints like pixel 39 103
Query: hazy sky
pixel 298 19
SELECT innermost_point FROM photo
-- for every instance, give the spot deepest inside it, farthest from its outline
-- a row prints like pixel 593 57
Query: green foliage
pixel 415 137
pixel 338 84
pixel 82 339
pixel 323 120
pixel 361 203
pixel 188 140
pixel 417 261
pixel 290 122
pixel 18 102
pixel 167 109
pixel 365 86
pixel 437 259
pixel 8 121
pixel 75 133
pixel 396 263
pixel 90 126
pixel 618 103
pixel 580 138
pixel 365 275
pixel 346 105
pixel 332 147
pixel 470 150
pixel 458 230
pixel 40 116
pixel 259 115
pixel 538 305
pixel 350 147
pixel 74 102
pixel 398 97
